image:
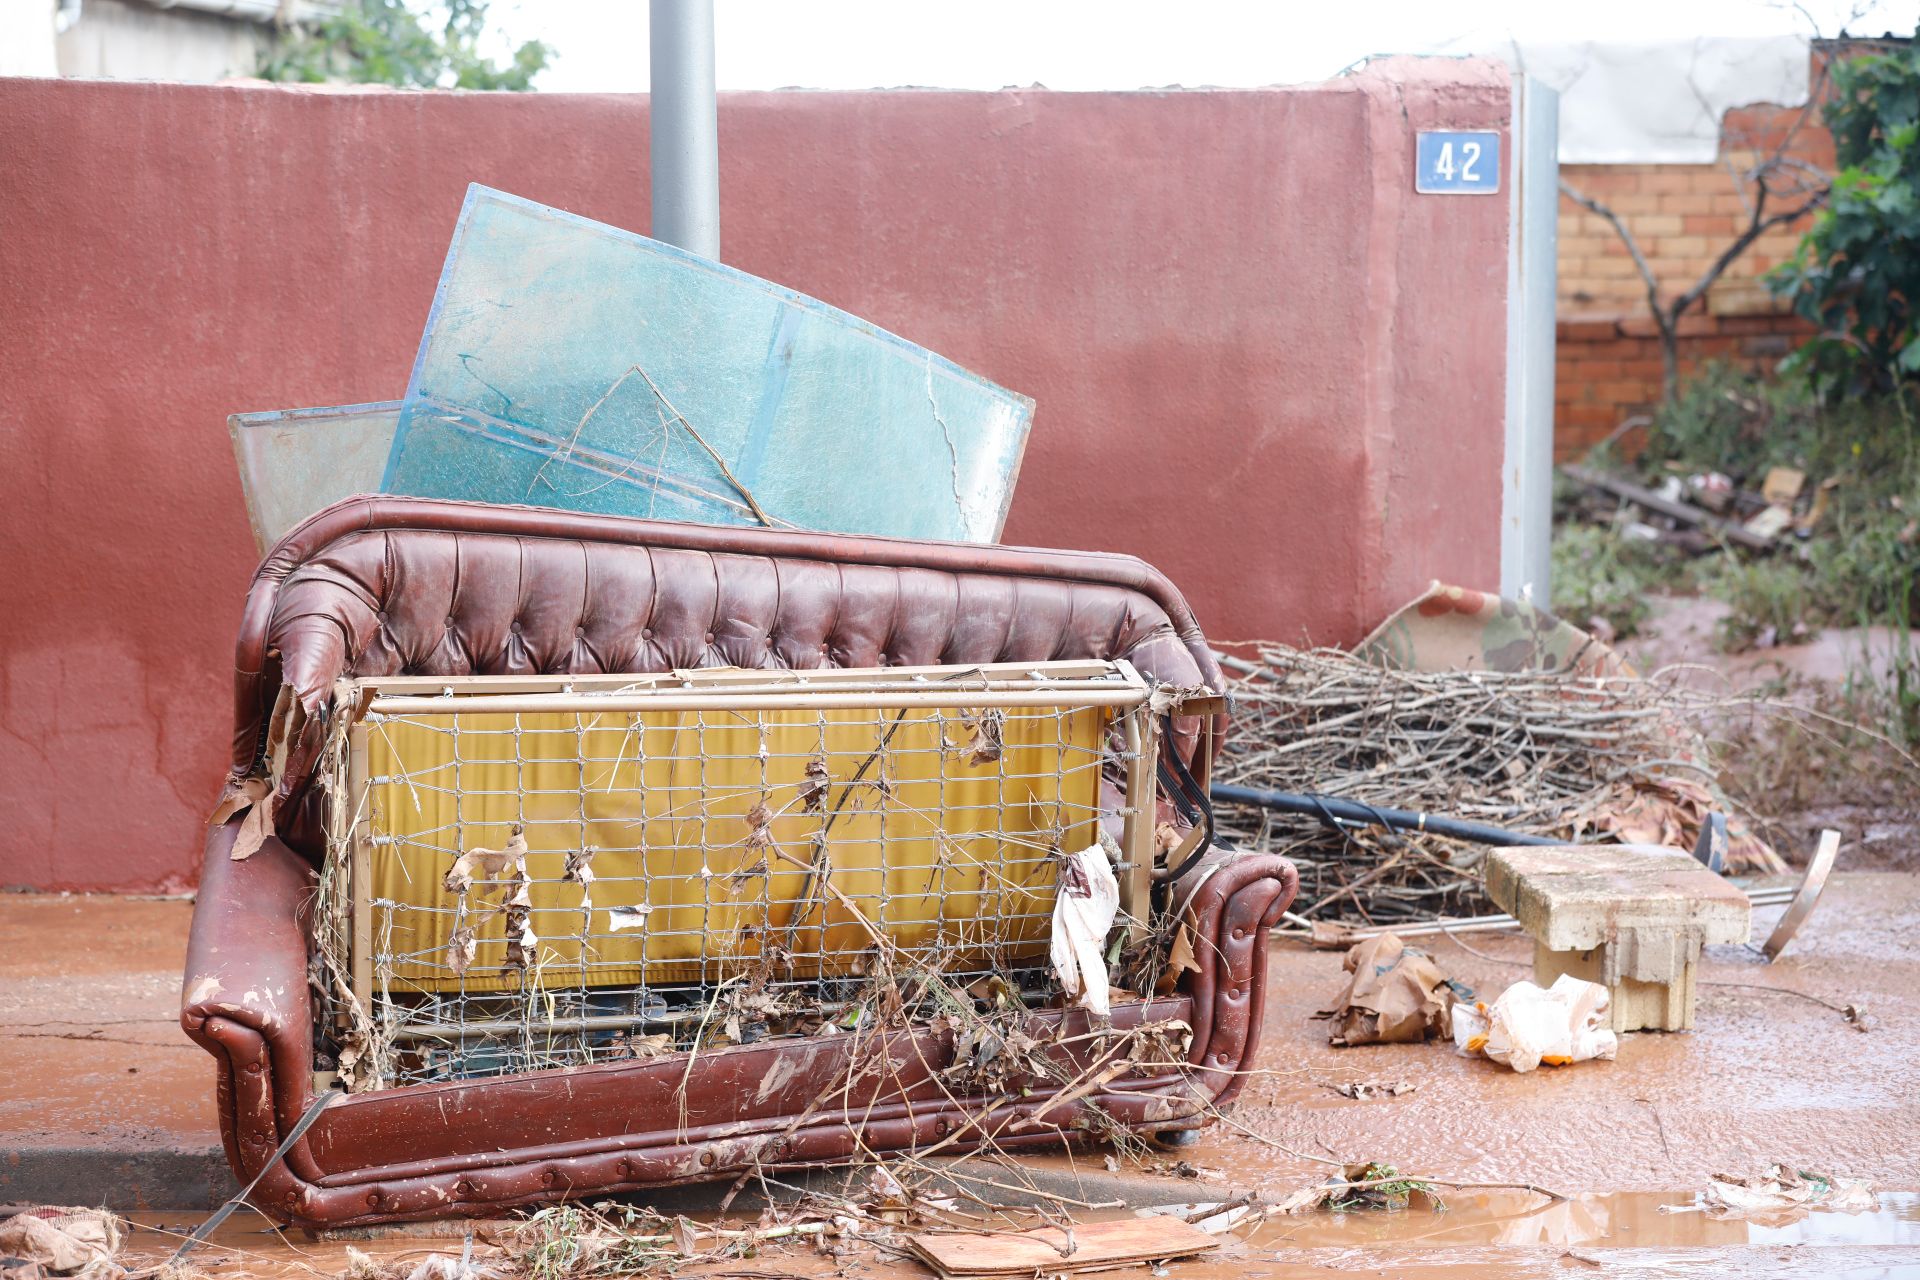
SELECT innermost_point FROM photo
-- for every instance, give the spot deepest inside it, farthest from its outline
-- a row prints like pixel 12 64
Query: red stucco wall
pixel 1261 361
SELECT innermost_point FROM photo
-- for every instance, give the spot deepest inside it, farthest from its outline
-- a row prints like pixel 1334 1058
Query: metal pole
pixel 684 127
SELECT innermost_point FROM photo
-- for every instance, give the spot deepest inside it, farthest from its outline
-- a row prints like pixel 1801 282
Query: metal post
pixel 685 127
pixel 1526 498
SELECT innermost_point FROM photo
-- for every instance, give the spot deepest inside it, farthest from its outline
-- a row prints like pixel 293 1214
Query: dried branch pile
pixel 1578 757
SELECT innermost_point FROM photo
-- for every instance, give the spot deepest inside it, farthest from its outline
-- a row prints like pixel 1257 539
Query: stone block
pixel 1632 917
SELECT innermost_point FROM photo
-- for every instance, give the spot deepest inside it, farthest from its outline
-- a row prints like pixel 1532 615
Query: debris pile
pixel 1779 1194
pixel 1575 757
pixel 1701 511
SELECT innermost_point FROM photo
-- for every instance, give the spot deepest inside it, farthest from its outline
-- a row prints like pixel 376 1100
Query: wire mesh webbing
pixel 738 865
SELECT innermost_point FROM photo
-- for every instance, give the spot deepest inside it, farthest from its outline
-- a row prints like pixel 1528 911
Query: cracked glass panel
pixel 571 364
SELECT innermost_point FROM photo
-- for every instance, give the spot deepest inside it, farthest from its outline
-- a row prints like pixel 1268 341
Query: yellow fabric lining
pixel 932 848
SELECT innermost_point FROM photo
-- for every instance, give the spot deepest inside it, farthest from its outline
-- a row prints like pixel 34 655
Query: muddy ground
pixel 96 1070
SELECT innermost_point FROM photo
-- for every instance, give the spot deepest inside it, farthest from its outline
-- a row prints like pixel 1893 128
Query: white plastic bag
pixel 1529 1025
pixel 1083 911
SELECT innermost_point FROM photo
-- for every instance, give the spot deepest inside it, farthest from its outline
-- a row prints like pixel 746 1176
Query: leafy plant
pixel 1771 601
pixel 397 43
pixel 1380 1186
pixel 1726 419
pixel 1598 573
pixel 1856 273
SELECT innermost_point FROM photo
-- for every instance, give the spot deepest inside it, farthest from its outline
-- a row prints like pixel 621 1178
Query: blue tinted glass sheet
pixel 570 364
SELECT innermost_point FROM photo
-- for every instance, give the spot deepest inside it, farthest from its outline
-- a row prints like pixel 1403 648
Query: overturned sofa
pixel 743 1035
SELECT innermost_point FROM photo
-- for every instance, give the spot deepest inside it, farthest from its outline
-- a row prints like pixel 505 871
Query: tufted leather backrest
pixel 376 586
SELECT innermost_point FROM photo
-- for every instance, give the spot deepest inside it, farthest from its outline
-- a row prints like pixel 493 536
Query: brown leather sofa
pixel 386 586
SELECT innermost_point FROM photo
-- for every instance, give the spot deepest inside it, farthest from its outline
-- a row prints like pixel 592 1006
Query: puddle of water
pixel 1621 1220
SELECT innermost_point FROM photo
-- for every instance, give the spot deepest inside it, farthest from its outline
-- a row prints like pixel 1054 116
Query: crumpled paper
pixel 1398 995
pixel 62 1242
pixel 1083 909
pixel 1529 1025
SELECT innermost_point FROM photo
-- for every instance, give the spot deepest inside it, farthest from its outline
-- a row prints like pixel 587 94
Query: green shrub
pixel 1725 419
pixel 1856 273
pixel 1771 600
pixel 1598 573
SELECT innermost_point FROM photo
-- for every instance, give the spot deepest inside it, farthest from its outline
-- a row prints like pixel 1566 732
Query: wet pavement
pixel 101 1084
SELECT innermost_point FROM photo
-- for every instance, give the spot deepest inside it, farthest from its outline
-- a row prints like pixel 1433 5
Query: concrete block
pixel 1632 917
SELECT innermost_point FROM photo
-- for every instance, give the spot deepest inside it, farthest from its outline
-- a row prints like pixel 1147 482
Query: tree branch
pixel 1633 249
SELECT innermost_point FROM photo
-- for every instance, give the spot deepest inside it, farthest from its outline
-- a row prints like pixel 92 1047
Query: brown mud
pixel 92 1055
pixel 1501 1233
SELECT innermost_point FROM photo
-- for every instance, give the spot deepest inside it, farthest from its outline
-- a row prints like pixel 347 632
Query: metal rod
pixel 684 126
pixel 1346 813
pixel 414 1032
pixel 772 700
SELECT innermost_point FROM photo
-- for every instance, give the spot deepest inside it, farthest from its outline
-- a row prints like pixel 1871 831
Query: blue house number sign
pixel 1457 164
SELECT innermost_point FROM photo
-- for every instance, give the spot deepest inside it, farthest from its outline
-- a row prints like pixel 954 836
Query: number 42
pixel 1469 157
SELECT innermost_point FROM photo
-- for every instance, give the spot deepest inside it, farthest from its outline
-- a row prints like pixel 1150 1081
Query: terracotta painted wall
pixel 1261 361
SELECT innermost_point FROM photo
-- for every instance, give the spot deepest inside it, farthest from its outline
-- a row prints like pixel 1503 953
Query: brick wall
pixel 1683 217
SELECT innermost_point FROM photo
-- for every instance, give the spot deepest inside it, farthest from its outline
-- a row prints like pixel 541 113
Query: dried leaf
pixel 488 864
pixel 649 1046
pixel 759 826
pixel 1180 959
pixel 238 795
pixel 521 941
pixel 1361 1089
pixel 255 827
pixel 579 868
pixel 989 729
pixel 815 784
pixel 461 948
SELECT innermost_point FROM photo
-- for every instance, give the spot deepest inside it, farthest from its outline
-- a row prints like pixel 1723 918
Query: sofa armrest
pixel 1230 900
pixel 245 998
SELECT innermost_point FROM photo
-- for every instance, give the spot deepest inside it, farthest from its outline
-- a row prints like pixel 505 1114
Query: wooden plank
pixel 1048 1250
pixel 1136 877
pixel 360 869
pixel 1669 507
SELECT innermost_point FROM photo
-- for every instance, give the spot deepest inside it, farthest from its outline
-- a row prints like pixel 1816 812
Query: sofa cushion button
pixel 646 633
pixel 709 637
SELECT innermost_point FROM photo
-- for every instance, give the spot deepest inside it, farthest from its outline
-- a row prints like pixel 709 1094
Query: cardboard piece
pixel 1091 1246
pixel 1398 995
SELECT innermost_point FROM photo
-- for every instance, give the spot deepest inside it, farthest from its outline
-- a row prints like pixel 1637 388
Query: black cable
pixel 1183 786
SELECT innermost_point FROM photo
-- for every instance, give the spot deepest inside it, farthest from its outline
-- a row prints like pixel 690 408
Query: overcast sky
pixel 1124 44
